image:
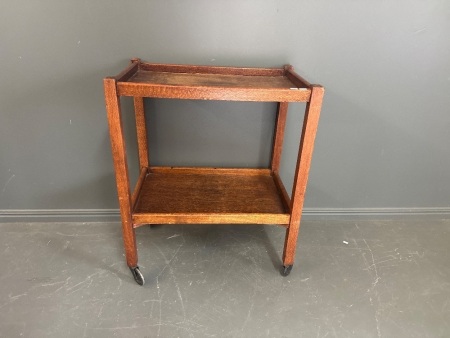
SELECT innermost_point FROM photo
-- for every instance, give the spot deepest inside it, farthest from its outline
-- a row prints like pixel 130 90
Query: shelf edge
pixel 216 70
pixel 140 219
pixel 213 93
pixel 210 170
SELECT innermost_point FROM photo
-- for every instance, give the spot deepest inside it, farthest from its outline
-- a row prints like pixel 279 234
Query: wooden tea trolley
pixel 195 195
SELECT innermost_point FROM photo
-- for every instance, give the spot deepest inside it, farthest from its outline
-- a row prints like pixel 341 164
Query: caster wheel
pixel 286 270
pixel 138 277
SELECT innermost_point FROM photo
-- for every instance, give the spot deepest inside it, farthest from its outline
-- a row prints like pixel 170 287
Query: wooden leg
pixel 141 130
pixel 279 136
pixel 310 123
pixel 121 169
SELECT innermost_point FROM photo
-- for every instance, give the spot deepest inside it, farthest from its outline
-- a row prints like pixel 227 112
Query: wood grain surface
pixel 210 218
pixel 121 169
pixel 142 79
pixel 141 131
pixel 211 170
pixel 214 80
pixel 198 69
pixel 194 197
pixel 213 92
pixel 310 123
pixel 279 136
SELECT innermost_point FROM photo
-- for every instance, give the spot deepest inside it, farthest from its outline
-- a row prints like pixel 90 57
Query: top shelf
pixel 212 83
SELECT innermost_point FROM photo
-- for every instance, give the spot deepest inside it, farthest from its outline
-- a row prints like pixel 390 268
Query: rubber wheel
pixel 286 270
pixel 138 277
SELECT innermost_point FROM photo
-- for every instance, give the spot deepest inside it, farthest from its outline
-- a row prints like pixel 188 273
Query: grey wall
pixel 383 138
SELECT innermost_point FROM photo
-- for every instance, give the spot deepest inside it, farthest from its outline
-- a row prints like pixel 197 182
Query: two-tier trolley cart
pixel 203 195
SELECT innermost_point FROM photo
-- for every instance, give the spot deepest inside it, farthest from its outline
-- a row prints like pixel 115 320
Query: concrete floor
pixel 351 279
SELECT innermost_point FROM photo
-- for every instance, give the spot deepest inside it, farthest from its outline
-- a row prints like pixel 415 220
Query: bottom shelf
pixel 209 195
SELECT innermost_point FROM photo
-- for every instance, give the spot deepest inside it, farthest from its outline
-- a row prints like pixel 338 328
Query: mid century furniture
pixel 196 195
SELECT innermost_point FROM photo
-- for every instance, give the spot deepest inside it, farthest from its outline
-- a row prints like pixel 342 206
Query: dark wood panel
pixel 141 131
pixel 214 80
pixel 174 68
pixel 278 138
pixel 207 193
pixel 211 170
